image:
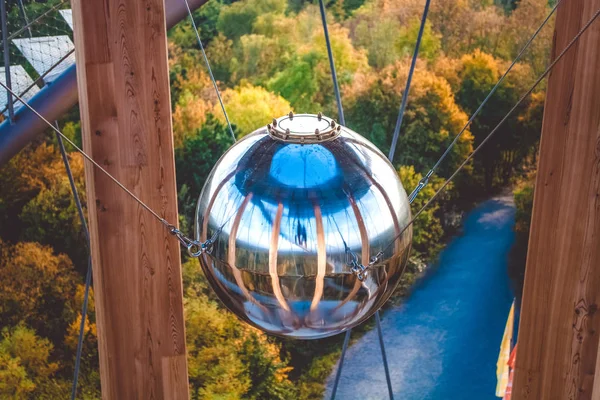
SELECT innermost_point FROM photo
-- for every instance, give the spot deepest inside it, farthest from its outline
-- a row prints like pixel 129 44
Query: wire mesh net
pixel 39 46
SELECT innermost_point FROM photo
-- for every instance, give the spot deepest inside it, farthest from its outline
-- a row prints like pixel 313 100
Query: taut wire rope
pixel 190 244
pixel 336 86
pixel 183 239
pixel 390 157
pixel 338 373
pixel 88 275
pixel 411 71
pixel 342 119
pixel 384 355
pixel 423 182
pixel 377 257
pixel 212 77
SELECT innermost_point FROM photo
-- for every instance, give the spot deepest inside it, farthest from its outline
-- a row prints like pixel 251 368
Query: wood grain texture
pixel 123 80
pixel 560 323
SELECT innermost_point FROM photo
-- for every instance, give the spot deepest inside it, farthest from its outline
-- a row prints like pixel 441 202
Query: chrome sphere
pixel 290 209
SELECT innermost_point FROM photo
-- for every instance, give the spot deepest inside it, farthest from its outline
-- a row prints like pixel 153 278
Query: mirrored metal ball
pixel 292 209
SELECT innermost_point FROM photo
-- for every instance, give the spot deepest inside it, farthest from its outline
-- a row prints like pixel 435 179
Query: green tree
pixel 195 159
pixel 298 83
pixel 523 195
pixel 237 19
pixel 427 229
pixel 26 369
pixel 478 73
pixel 257 57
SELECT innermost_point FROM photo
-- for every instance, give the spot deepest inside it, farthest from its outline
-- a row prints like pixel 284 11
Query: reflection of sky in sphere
pixel 298 166
pixel 231 158
pixel 340 226
pixel 303 167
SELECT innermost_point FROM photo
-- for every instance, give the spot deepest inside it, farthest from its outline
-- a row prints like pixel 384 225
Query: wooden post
pixel 559 333
pixel 123 80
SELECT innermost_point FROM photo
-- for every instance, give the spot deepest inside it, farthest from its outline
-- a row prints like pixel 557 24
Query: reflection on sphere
pixel 286 219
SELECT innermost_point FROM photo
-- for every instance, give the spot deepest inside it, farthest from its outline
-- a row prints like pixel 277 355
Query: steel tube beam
pixel 54 100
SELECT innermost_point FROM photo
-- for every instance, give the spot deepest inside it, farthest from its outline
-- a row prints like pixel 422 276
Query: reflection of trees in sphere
pixel 288 211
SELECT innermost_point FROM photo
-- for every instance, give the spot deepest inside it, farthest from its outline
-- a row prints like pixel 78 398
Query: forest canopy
pixel 269 57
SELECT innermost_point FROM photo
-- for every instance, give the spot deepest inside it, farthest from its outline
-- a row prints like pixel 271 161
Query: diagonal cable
pixel 88 275
pixel 336 86
pixel 343 122
pixel 88 158
pixel 338 373
pixel 384 356
pixel 413 64
pixel 490 135
pixel 427 176
pixel 212 77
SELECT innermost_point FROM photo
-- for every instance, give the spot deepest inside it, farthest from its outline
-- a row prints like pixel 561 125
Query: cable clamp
pixel 375 259
pixel 422 183
pixel 357 268
pixel 194 247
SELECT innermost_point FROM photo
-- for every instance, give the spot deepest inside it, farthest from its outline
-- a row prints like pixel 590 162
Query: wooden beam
pixel 559 332
pixel 123 80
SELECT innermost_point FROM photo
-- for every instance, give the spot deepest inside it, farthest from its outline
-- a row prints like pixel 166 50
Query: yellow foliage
pixel 188 116
pixel 448 68
pixel 30 276
pixel 72 336
pixel 251 107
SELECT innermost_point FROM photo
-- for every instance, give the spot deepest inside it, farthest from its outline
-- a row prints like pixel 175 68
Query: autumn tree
pixel 36 203
pixel 37 287
pixel 237 19
pixel 227 358
pixel 21 179
pixel 387 41
pixel 26 368
pixel 51 217
pixel 478 74
pixel 431 121
pixel 89 374
pixel 251 107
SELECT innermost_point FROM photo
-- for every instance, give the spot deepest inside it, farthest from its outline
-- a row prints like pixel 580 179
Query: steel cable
pixel 212 77
pixel 411 71
pixel 424 181
pixel 88 276
pixel 433 198
pixel 489 136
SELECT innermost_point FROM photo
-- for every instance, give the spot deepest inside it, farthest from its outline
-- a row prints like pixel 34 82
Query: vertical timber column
pixel 123 79
pixel 560 322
